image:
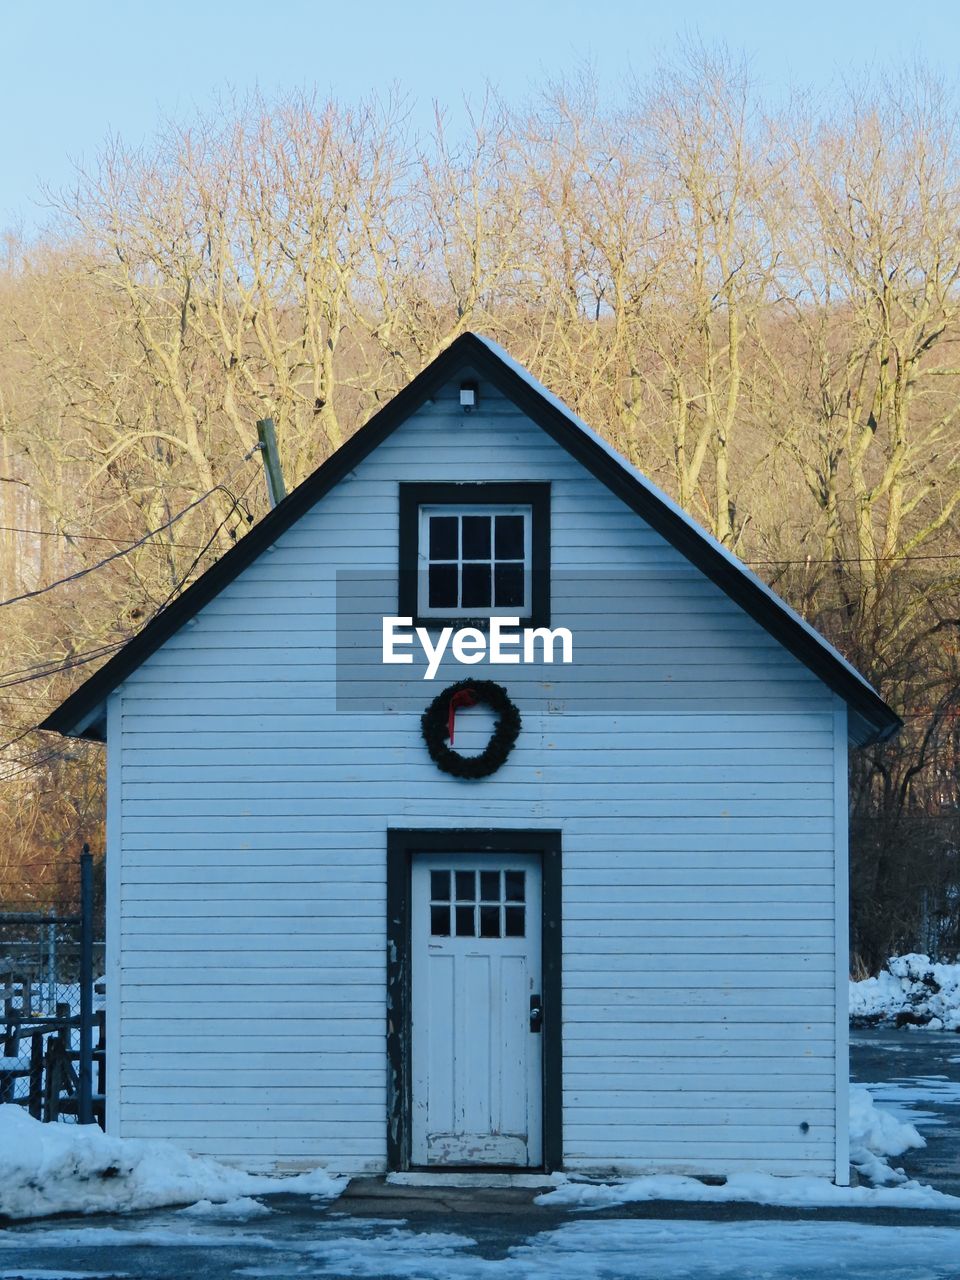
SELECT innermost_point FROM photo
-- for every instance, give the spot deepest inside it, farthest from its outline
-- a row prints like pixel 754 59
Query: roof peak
pixel 82 713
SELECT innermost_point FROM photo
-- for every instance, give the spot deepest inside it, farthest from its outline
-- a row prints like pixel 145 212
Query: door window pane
pixel 464 922
pixel 440 886
pixel 489 922
pixel 514 886
pixel 466 886
pixel 440 921
pixel 513 924
pixel 490 886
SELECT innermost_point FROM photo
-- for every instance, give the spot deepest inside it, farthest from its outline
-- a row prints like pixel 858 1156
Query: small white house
pixel 621 948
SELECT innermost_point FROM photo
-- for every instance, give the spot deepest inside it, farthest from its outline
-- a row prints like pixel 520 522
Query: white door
pixel 476 1043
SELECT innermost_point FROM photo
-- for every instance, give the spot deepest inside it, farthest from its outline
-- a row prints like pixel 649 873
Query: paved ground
pixel 380 1231
pixel 920 1071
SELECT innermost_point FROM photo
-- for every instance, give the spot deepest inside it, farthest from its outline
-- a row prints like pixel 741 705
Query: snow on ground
pixel 749 1188
pixel 610 1249
pixel 49 1168
pixel 240 1210
pixel 875 1135
pixel 911 990
pixel 53 1168
pixel 906 1098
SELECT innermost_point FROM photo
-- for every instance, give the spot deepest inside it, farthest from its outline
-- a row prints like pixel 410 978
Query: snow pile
pixel 752 1188
pixel 240 1210
pixel 53 1168
pixel 911 990
pixel 874 1135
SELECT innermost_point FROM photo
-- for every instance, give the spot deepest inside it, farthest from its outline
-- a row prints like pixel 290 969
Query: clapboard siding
pixel 698 827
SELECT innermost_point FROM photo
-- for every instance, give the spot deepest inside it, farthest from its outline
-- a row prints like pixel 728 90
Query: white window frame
pixel 462 510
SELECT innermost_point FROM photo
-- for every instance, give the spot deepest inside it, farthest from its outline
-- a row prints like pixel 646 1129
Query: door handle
pixel 536 1014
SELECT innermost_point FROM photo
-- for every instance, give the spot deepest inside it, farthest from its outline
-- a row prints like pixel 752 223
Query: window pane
pixel 440 921
pixel 509 582
pixel 440 886
pixel 490 886
pixel 466 886
pixel 489 922
pixel 513 922
pixel 443 537
pixel 443 586
pixel 476 537
pixel 475 590
pixel 514 881
pixel 509 538
pixel 464 922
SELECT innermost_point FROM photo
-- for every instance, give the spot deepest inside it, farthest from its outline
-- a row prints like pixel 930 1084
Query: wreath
pixel 437 723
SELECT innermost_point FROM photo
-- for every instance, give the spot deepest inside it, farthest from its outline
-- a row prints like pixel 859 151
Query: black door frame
pixel 402 845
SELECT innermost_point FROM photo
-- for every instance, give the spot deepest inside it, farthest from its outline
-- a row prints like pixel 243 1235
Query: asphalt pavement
pixel 920 1072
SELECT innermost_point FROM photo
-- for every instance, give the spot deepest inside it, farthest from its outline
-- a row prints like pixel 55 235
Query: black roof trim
pixel 75 714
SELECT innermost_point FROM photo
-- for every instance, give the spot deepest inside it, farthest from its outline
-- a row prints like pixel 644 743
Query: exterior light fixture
pixel 468 396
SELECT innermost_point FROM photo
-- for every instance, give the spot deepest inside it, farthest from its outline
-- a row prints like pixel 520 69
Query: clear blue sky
pixel 76 69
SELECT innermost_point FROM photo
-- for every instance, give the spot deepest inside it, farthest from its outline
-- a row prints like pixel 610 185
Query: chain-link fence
pixel 52 1044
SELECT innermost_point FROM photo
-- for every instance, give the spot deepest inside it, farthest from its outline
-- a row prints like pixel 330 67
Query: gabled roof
pixel 83 713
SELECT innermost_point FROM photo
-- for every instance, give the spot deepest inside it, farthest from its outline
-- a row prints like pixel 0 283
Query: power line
pixel 81 537
pixel 82 659
pixel 123 551
pixel 895 562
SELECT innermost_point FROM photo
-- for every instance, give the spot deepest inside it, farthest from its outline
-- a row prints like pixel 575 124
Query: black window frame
pixel 459 497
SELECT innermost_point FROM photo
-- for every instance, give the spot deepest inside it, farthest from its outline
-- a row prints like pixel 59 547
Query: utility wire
pixel 91 655
pixel 80 537
pixel 123 551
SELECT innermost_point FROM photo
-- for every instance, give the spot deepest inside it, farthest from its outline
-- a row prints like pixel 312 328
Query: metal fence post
pixel 51 968
pixel 85 1083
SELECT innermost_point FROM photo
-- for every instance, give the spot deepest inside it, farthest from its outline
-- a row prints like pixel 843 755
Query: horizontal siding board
pixel 364 1040
pixel 650 798
pixel 610 979
pixel 347 1084
pixel 316 1106
pixel 665 1144
pixel 784 1166
pixel 685 1075
pixel 166 999
pixel 294 950
pixel 582 1020
pixel 154 968
pixel 594 1038
pixel 654 1103
pixel 135 1058
pixel 227 1015
pixel 710 816
pixel 253 892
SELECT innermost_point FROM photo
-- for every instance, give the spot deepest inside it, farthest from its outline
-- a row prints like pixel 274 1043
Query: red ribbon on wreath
pixel 462 698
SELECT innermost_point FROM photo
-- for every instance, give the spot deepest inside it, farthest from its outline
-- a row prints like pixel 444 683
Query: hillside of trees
pixel 758 307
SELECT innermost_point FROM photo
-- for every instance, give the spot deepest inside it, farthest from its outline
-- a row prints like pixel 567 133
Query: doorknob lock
pixel 536 1014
